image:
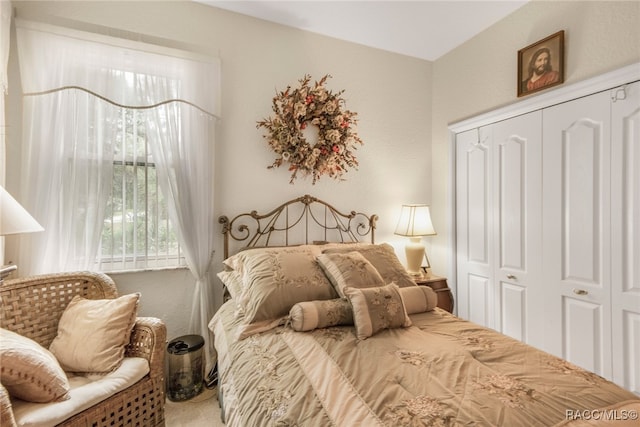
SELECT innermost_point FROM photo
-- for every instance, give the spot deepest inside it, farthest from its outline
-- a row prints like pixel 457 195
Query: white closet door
pixel 517 177
pixel 576 224
pixel 475 296
pixel 625 235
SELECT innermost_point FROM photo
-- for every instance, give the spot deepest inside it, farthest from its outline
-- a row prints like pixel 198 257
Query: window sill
pixel 144 270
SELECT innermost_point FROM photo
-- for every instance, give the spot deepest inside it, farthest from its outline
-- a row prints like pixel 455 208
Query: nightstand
pixel 438 284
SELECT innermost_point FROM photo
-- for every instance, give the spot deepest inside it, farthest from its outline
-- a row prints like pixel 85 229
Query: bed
pixel 337 334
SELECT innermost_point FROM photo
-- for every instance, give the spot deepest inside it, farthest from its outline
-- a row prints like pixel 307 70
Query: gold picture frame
pixel 541 64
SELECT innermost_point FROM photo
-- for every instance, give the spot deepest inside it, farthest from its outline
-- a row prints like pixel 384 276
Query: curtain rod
pixel 137 107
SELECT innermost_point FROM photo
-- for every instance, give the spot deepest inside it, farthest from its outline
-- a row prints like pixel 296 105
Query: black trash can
pixel 185 367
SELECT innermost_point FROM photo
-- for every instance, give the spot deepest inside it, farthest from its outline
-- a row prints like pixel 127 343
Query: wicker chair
pixel 32 307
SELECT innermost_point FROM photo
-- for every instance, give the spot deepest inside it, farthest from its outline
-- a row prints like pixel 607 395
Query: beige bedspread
pixel 441 371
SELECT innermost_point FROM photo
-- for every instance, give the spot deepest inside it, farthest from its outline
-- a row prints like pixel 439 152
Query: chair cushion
pixel 86 391
pixel 29 371
pixel 92 334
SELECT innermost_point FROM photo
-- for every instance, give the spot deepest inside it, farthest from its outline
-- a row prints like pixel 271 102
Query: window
pixel 137 233
pixel 162 98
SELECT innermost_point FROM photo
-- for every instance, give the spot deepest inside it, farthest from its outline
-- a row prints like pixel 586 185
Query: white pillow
pixel 92 334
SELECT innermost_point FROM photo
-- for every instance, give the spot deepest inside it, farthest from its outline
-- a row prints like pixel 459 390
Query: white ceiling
pixel 425 29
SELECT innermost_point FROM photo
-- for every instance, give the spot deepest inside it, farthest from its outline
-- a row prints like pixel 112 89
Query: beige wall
pixel 391 94
pixel 481 75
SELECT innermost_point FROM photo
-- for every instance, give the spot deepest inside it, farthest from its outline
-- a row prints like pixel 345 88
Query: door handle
pixel 511 276
pixel 580 292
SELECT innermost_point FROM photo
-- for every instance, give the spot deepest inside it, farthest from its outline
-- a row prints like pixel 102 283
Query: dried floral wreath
pixel 294 110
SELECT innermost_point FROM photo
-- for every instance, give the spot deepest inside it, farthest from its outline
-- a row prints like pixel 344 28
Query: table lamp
pixel 14 219
pixel 415 222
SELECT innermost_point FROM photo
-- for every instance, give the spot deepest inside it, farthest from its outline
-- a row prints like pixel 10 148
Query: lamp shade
pixel 14 219
pixel 415 220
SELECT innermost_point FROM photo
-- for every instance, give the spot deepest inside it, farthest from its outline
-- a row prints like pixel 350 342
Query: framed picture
pixel 426 264
pixel 541 64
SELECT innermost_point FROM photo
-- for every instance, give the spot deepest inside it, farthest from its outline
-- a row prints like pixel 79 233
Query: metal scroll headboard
pixel 304 220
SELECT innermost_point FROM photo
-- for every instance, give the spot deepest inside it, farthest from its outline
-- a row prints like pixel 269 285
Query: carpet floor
pixel 201 410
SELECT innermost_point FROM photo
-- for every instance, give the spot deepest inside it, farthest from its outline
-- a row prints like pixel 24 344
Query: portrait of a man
pixel 541 64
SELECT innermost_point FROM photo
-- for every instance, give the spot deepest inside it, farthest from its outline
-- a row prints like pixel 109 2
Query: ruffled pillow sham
pixel 273 281
pixel 232 280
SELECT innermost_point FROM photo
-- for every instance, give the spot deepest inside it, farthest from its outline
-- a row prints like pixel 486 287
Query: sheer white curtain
pixel 182 148
pixel 74 82
pixel 66 179
pixel 5 38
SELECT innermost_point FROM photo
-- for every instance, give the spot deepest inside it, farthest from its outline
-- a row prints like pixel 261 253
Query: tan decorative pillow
pixel 92 334
pixel 418 299
pixel 309 315
pixel 375 309
pixel 29 371
pixel 274 280
pixel 384 259
pixel 349 269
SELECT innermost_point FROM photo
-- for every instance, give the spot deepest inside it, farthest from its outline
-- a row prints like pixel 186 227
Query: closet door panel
pixel 625 231
pixel 576 218
pixel 511 204
pixel 627 351
pixel 473 226
pixel 478 181
pixel 517 175
pixel 480 296
pixel 514 312
pixel 581 184
pixel 585 350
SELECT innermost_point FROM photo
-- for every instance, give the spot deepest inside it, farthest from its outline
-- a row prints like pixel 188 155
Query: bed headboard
pixel 304 220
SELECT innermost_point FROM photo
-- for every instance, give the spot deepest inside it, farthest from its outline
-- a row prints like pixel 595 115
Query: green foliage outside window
pixel 137 221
